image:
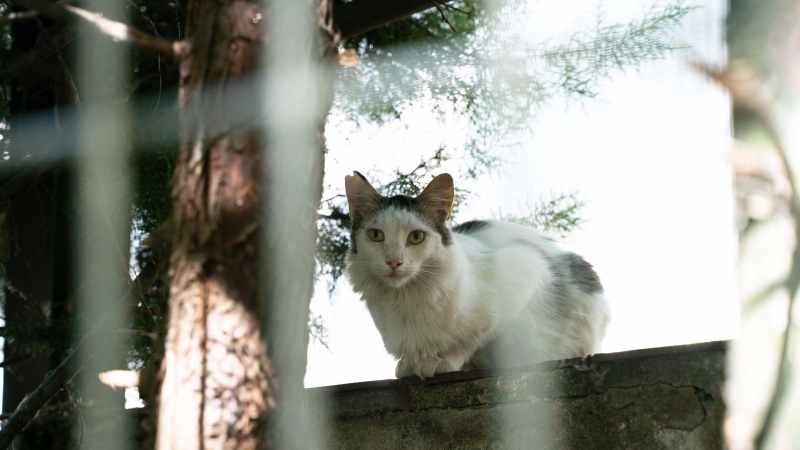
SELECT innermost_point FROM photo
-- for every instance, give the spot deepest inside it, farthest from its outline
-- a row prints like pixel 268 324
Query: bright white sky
pixel 649 157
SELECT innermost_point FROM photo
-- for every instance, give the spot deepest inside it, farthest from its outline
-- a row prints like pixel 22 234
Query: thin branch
pixel 63 64
pixel 332 198
pixel 43 49
pixel 18 16
pixel 14 360
pixel 764 294
pixel 451 7
pixel 359 16
pixel 114 29
pixel 62 375
pixel 444 16
pixel 81 421
pixel 137 333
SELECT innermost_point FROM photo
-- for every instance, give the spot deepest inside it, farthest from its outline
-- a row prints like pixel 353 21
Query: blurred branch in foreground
pixel 750 93
pixel 63 375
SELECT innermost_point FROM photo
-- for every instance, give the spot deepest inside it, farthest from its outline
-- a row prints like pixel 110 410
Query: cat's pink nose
pixel 394 264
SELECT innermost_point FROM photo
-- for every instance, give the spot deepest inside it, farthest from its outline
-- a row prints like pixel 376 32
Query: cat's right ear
pixel 361 196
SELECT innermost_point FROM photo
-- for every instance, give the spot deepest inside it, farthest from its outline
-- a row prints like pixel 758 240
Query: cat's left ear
pixel 361 196
pixel 437 198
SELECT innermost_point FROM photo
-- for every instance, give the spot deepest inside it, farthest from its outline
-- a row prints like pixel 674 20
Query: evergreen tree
pixel 460 58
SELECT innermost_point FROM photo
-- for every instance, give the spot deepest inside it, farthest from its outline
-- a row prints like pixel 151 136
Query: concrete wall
pixel 665 398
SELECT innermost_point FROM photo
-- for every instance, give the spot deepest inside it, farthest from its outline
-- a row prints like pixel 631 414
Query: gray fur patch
pixel 583 274
pixel 473 226
pixel 442 229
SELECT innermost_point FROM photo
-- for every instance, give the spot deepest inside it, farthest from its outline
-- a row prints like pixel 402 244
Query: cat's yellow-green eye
pixel 416 237
pixel 375 235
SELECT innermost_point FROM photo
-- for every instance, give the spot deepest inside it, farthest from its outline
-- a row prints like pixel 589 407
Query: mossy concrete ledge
pixel 663 398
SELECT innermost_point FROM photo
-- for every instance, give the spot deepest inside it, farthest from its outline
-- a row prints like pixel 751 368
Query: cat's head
pixel 392 237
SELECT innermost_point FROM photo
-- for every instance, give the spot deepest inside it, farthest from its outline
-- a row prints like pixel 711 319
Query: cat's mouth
pixel 396 278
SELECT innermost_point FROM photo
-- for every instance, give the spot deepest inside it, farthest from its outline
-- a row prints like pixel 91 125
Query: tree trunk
pixel 218 386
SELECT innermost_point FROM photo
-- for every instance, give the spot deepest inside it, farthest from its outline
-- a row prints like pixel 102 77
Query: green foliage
pixel 333 240
pixel 485 72
pixel 489 73
pixel 36 334
pixel 558 213
pixel 317 330
pixel 589 58
pixel 152 178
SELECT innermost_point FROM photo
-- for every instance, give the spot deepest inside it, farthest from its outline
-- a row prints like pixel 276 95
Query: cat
pixel 483 294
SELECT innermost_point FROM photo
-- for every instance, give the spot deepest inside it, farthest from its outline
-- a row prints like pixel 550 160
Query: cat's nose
pixel 394 264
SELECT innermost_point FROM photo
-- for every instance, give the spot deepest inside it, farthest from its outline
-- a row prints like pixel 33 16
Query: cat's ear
pixel 361 196
pixel 437 198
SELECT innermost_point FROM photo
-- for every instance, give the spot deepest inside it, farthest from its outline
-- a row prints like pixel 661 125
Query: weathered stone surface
pixel 666 398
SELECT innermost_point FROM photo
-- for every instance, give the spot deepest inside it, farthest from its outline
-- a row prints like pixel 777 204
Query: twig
pixel 332 198
pixel 63 65
pixel 18 16
pixel 114 29
pixel 44 49
pixel 444 16
pixel 62 375
pixel 137 333
pixel 155 31
pixel 14 360
pixel 449 6
pixel 358 16
pixel 81 422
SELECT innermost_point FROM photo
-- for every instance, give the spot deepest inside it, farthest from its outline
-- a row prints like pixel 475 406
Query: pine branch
pixel 117 30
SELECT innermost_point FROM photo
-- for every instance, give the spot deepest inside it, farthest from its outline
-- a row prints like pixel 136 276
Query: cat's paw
pixel 424 368
pixel 429 367
pixel 403 369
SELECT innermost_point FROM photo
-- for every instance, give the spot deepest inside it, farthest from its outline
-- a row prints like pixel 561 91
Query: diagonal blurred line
pixel 60 377
pixel 43 49
pixel 102 154
pixel 36 139
pixel 116 30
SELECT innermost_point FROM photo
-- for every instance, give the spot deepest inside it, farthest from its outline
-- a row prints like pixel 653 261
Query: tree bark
pixel 359 16
pixel 218 385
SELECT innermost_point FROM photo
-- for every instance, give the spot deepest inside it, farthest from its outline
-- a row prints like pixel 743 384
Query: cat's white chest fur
pixel 428 318
pixel 486 294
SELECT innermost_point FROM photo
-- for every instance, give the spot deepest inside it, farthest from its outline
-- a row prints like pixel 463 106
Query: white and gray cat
pixel 483 294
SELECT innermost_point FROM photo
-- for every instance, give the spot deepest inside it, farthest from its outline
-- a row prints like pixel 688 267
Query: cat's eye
pixel 375 235
pixel 416 237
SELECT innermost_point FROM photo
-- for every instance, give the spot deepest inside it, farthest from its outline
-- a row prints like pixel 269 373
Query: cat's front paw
pixel 429 367
pixel 403 369
pixel 424 368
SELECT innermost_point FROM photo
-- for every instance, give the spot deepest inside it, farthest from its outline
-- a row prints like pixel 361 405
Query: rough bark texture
pixel 669 398
pixel 218 387
pixel 215 387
